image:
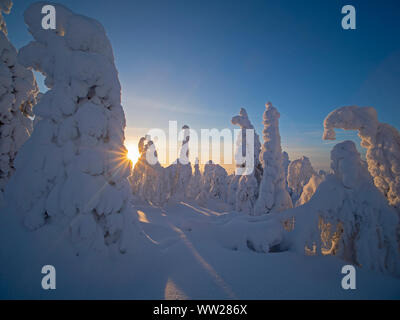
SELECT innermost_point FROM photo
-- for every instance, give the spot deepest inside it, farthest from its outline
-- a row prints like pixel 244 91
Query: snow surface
pixel 181 252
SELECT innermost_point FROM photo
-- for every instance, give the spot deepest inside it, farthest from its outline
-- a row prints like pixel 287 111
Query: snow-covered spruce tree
pixel 273 196
pixel 18 90
pixel 148 178
pixel 195 181
pixel 245 187
pixel 242 120
pixel 347 217
pixel 309 189
pixel 381 140
pixel 180 172
pixel 286 163
pixel 74 168
pixel 300 172
pixel 213 184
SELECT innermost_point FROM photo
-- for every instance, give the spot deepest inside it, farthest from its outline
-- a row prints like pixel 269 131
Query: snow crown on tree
pixel 381 140
pixel 273 195
pixel 74 165
pixel 18 90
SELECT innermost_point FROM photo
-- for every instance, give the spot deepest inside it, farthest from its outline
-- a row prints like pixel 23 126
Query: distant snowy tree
pixel 243 190
pixel 381 140
pixel 243 121
pixel 213 184
pixel 232 182
pixel 195 181
pixel 299 173
pixel 180 172
pixel 309 189
pixel 148 176
pixel 348 217
pixel 273 196
pixel 18 90
pixel 246 194
pixel 74 167
pixel 286 163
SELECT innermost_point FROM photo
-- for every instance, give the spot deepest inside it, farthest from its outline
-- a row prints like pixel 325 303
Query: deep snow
pixel 181 252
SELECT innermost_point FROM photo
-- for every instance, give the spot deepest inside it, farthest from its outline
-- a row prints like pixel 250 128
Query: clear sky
pixel 198 62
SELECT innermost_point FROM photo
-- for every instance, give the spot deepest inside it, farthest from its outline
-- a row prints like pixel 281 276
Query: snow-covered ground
pixel 181 252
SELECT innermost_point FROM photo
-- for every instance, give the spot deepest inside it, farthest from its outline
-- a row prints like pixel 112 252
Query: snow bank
pixel 273 195
pixel 381 140
pixel 73 170
pixel 18 90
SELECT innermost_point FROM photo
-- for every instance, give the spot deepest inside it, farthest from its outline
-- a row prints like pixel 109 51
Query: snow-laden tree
pixel 381 140
pixel 309 189
pixel 232 182
pixel 347 217
pixel 180 172
pixel 242 120
pixel 273 196
pixel 213 184
pixel 18 90
pixel 286 163
pixel 246 194
pixel 148 176
pixel 74 168
pixel 242 190
pixel 195 181
pixel 299 173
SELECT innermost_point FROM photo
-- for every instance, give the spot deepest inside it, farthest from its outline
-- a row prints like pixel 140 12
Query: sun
pixel 133 153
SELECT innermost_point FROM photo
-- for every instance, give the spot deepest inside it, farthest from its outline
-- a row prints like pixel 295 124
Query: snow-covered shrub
pixel 347 217
pixel 18 90
pixel 273 195
pixel 381 140
pixel 195 182
pixel 74 167
pixel 299 173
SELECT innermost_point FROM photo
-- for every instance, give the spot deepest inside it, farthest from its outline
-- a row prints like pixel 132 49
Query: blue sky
pixel 198 62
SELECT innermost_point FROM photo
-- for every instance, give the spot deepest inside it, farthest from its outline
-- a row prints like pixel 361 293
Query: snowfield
pixel 182 252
